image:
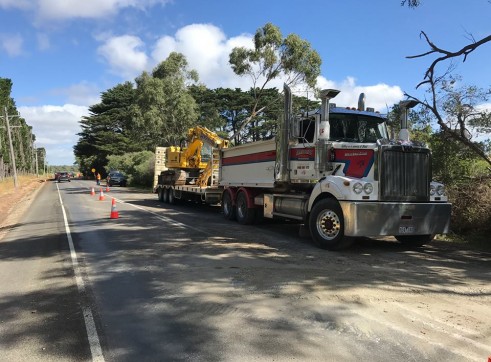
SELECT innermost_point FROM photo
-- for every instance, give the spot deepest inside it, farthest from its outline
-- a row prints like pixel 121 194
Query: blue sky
pixel 61 54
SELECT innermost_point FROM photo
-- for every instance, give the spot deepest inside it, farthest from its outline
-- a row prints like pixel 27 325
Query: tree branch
pixel 465 51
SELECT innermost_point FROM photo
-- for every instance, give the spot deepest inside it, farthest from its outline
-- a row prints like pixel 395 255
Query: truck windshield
pixel 356 128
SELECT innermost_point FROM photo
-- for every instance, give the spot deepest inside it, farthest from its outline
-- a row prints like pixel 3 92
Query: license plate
pixel 406 229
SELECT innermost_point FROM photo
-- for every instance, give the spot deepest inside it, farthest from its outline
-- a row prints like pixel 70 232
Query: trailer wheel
pixel 326 224
pixel 160 193
pixel 245 215
pixel 165 196
pixel 228 207
pixel 172 197
pixel 414 240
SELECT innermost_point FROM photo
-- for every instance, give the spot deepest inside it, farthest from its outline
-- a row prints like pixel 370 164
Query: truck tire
pixel 166 195
pixel 228 208
pixel 245 215
pixel 414 240
pixel 326 225
pixel 172 197
pixel 160 193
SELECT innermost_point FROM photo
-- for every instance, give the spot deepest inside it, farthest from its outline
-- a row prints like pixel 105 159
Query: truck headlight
pixel 368 188
pixel 357 188
pixel 440 190
pixel 432 190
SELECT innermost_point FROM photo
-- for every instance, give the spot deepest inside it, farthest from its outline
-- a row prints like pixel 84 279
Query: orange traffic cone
pixel 92 193
pixel 107 187
pixel 101 196
pixel 114 212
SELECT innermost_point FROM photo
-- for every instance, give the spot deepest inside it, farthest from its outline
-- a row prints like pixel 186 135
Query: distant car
pixel 63 176
pixel 116 178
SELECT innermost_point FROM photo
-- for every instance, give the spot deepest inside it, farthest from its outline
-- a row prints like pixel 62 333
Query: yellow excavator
pixel 195 163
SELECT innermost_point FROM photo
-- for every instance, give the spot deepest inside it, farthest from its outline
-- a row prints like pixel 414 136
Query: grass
pixel 478 240
pixel 7 184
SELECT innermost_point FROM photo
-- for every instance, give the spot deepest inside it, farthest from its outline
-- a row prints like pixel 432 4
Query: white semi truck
pixel 335 171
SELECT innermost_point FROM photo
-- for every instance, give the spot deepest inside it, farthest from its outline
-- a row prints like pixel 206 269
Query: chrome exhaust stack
pixel 405 107
pixel 323 130
pixel 282 173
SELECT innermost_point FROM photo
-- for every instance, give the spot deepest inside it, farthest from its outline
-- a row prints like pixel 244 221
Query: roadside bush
pixel 137 166
pixel 471 205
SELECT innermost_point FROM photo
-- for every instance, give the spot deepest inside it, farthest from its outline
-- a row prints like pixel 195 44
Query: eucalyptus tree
pixel 455 109
pixel 273 56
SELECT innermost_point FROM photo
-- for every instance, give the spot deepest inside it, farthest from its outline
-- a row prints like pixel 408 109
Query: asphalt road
pixel 180 283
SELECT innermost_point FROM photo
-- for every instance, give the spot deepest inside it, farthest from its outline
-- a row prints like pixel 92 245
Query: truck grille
pixel 405 173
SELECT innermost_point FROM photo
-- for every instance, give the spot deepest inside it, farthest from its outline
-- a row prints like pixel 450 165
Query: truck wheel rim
pixel 328 224
pixel 241 210
pixel 227 207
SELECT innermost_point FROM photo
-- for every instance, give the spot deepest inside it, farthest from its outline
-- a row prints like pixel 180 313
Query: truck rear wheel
pixel 228 207
pixel 414 240
pixel 245 215
pixel 160 193
pixel 326 224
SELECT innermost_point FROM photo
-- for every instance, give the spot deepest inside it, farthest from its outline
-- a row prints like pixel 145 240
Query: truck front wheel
pixel 326 224
pixel 245 215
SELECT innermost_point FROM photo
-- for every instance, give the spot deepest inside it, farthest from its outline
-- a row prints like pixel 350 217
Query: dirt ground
pixel 15 201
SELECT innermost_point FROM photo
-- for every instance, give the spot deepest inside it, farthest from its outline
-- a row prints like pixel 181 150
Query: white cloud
pixel 55 128
pixel 82 94
pixel 12 44
pixel 91 9
pixel 124 55
pixel 16 4
pixel 484 107
pixel 379 96
pixel 207 50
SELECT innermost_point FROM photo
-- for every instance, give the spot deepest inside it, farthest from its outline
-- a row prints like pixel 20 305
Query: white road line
pixel 93 337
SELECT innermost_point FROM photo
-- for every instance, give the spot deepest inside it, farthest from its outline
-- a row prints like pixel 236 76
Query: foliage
pixel 225 109
pixel 137 166
pixel 157 112
pixel 274 56
pixel 21 136
pixel 454 108
pixel 164 109
pixel 107 130
pixel 471 205
pixel 411 3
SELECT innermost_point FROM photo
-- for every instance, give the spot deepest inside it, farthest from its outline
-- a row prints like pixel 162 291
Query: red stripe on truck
pixel 265 156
